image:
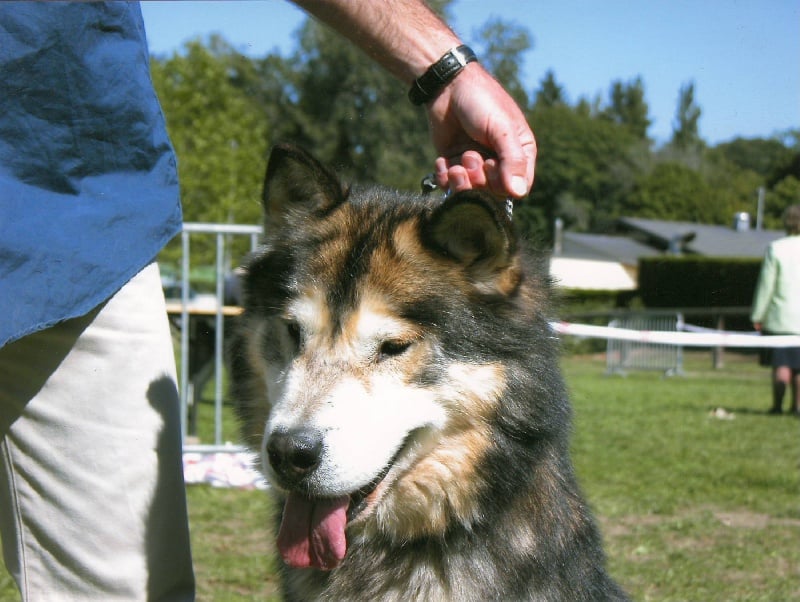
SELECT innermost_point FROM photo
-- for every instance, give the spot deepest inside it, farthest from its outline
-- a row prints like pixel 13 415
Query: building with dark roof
pixel 610 262
pixel 699 239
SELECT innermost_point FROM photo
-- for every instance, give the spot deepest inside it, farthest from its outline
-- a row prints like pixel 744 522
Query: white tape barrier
pixel 699 337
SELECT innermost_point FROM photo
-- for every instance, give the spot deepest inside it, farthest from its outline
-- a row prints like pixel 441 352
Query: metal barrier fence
pixel 624 355
pixel 200 316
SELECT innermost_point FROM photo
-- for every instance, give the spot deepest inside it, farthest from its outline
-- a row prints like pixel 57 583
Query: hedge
pixel 691 281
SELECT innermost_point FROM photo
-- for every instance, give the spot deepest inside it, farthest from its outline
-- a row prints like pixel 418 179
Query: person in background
pixel 776 310
pixel 92 502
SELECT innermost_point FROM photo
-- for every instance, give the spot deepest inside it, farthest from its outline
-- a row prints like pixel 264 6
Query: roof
pixel 601 261
pixel 711 240
pixel 622 249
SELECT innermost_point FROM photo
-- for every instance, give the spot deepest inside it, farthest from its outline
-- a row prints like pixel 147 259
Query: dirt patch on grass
pixel 715 553
pixel 743 519
pixel 626 525
pixel 737 519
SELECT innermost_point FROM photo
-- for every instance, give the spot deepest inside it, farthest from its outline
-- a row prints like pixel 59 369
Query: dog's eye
pixel 392 349
pixel 293 329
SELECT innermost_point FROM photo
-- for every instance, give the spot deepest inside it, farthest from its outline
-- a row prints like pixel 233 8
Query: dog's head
pixel 378 327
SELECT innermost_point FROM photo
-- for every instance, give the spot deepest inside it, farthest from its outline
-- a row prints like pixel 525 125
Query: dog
pixel 396 368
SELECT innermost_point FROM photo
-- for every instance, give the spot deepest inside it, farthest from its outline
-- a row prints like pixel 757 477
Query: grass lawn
pixel 692 507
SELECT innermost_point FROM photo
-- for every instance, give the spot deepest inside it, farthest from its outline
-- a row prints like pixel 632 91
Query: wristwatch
pixel 428 85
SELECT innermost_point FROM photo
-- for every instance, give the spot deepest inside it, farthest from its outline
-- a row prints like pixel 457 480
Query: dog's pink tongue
pixel 312 532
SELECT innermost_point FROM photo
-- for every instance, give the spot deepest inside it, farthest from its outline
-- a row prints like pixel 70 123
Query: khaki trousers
pixel 92 502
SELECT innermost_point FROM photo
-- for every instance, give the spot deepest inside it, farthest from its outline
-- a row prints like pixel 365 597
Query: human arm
pixel 764 289
pixel 481 135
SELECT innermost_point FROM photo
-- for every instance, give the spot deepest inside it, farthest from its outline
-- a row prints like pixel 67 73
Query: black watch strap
pixel 428 85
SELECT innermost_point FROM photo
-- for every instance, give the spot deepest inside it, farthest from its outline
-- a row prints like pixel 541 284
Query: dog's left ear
pixel 296 182
pixel 473 229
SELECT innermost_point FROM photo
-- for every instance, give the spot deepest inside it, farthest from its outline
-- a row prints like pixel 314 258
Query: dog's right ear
pixel 471 229
pixel 297 183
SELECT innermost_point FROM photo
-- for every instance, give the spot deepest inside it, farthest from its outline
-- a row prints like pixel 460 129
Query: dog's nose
pixel 294 453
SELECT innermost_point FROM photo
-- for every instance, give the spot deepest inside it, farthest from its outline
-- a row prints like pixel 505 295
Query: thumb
pixel 516 159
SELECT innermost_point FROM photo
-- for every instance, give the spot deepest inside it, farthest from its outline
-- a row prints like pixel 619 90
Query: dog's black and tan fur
pixel 395 353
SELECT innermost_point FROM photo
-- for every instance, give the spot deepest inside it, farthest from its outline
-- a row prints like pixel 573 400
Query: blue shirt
pixel 88 179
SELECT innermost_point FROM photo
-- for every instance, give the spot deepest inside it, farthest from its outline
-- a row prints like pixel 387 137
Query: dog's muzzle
pixel 294 454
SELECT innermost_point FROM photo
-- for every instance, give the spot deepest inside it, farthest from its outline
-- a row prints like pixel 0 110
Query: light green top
pixel 776 304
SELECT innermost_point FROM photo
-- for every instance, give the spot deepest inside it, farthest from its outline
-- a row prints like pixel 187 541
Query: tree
pixel 354 115
pixel 740 167
pixel 670 191
pixel 628 107
pixel 503 45
pixel 584 162
pixel 784 194
pixel 550 92
pixel 218 131
pixel 789 167
pixel 673 191
pixel 685 132
pixel 765 156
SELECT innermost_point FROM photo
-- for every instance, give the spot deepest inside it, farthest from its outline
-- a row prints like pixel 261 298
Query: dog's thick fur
pixel 395 357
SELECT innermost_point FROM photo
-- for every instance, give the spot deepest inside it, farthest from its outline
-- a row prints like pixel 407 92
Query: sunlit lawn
pixel 694 506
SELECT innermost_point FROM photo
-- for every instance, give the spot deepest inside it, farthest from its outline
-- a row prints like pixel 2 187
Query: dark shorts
pixel 780 356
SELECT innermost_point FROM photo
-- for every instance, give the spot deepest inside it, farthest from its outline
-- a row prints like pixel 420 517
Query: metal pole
pixel 184 334
pixel 760 209
pixel 219 339
pixel 221 231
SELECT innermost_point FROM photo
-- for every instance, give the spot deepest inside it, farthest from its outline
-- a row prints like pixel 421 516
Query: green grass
pixel 231 544
pixel 206 431
pixel 693 508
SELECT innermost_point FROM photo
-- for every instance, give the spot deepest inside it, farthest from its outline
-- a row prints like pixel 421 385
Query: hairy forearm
pixel 404 36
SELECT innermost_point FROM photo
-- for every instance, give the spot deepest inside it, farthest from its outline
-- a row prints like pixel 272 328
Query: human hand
pixel 482 136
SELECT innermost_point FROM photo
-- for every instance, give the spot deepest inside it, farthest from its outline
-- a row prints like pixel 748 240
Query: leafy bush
pixel 698 281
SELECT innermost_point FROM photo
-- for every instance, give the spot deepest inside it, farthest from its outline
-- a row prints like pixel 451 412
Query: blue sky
pixel 743 55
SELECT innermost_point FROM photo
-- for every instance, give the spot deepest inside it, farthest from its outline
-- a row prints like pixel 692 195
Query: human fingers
pixel 440 167
pixel 493 177
pixel 460 173
pixel 473 164
pixel 458 179
pixel 484 173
